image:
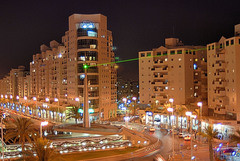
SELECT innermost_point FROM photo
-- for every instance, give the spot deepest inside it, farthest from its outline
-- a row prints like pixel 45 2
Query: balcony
pixel 220 84
pixel 220 93
pixel 159 84
pixel 220 65
pixel 161 98
pixel 159 63
pixel 159 70
pixel 160 76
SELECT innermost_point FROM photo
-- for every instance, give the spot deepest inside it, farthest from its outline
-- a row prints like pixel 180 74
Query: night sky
pixel 136 25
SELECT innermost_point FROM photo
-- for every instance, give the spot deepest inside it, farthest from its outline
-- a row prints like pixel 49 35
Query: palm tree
pixel 181 111
pixel 21 130
pixel 44 151
pixel 74 113
pixel 210 134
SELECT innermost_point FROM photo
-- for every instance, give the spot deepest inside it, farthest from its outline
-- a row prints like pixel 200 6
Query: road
pixel 182 148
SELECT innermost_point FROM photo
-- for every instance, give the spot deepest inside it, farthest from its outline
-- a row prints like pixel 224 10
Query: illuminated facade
pixel 173 71
pixel 48 72
pixel 224 77
pixel 89 42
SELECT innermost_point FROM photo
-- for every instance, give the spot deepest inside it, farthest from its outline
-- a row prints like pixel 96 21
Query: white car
pixel 152 129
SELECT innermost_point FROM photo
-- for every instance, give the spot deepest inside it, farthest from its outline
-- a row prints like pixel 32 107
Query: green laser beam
pixel 133 59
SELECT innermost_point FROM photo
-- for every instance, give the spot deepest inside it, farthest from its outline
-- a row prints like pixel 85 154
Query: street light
pixel 45 123
pixel 6 96
pixel 47 99
pixel 135 102
pixel 190 117
pixel 56 100
pixel 200 106
pixel 171 110
pixel 126 114
pixel 2 137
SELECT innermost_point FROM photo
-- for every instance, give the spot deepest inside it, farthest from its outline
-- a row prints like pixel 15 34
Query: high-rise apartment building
pixel 48 72
pixel 224 77
pixel 173 71
pixel 88 41
pixel 58 70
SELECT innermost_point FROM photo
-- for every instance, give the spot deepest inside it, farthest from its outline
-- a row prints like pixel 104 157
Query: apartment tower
pixel 88 41
pixel 173 71
pixel 224 77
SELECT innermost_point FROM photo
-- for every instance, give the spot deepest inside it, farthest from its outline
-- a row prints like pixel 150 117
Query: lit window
pixel 165 59
pixel 179 59
pixel 196 59
pixel 172 88
pixel 196 87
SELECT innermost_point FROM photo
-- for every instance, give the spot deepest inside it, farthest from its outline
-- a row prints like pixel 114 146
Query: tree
pixel 74 113
pixel 44 151
pixel 210 134
pixel 181 111
pixel 21 130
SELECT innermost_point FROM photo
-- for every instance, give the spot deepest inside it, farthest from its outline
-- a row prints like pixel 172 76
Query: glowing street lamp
pixel 25 98
pixel 11 96
pixel 47 99
pixel 126 118
pixel 45 123
pixel 56 100
pixel 34 99
pixel 1 96
pixel 171 110
pixel 6 96
pixel 17 97
pixel 77 99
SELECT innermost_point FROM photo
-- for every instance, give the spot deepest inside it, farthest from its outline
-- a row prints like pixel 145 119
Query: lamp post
pixel 35 99
pixel 135 102
pixel 171 110
pixel 57 100
pixel 200 106
pixel 2 137
pixel 126 114
pixel 86 122
pixel 189 114
pixel 41 125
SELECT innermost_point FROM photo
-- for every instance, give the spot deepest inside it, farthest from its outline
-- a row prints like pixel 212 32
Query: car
pixel 152 129
pixel 187 138
pixel 145 127
pixel 181 135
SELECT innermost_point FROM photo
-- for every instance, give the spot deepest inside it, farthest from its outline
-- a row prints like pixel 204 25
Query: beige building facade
pixel 173 71
pixel 88 41
pixel 224 77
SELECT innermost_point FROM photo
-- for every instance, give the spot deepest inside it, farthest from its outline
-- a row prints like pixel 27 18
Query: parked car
pixel 152 129
pixel 181 135
pixel 145 127
pixel 187 138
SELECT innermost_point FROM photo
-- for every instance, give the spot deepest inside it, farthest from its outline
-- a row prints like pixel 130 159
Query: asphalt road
pixel 182 147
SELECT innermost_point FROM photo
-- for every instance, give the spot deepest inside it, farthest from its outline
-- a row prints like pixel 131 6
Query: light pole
pixel 35 99
pixel 190 117
pixel 86 121
pixel 126 114
pixel 135 102
pixel 200 106
pixel 41 125
pixel 171 110
pixel 2 137
pixel 56 100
